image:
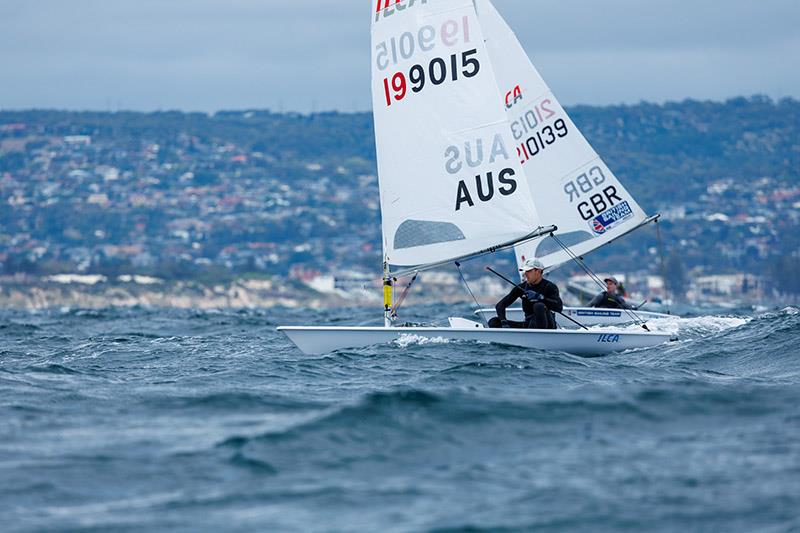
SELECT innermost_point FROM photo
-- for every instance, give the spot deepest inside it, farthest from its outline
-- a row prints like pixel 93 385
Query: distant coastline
pixel 32 293
pixel 76 291
pixel 209 199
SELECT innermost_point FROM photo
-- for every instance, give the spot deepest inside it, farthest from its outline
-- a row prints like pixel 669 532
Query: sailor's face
pixel 534 276
pixel 611 286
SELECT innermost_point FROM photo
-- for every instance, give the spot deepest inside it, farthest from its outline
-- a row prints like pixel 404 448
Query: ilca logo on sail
pixel 387 8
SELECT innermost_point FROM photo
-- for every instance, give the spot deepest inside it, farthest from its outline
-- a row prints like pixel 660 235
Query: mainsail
pixel 570 185
pixel 451 182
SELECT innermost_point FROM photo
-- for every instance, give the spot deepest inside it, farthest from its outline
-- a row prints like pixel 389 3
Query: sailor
pixel 610 298
pixel 540 299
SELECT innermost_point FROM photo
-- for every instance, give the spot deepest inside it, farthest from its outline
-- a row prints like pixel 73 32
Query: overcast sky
pixel 304 55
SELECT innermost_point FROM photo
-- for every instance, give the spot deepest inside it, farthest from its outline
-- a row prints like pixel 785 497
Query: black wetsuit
pixel 609 301
pixel 538 313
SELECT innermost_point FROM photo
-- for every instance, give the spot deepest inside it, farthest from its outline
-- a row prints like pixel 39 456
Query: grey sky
pixel 303 55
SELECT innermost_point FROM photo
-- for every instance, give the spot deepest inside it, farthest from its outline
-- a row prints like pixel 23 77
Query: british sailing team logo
pixel 610 218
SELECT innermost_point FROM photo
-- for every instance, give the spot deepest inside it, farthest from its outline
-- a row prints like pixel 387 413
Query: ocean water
pixel 165 420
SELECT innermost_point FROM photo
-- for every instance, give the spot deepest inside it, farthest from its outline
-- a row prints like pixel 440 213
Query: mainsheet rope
pixel 477 305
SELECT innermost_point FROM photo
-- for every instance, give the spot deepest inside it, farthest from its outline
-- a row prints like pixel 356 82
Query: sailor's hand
pixel 504 324
pixel 533 296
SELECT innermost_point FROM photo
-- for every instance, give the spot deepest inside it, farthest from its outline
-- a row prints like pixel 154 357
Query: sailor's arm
pixel 597 299
pixel 553 299
pixel 507 300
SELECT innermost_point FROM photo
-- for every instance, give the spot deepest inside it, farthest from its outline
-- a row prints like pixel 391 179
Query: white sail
pixel 450 180
pixel 570 185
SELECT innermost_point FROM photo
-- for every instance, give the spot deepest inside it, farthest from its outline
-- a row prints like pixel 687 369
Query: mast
pixel 388 296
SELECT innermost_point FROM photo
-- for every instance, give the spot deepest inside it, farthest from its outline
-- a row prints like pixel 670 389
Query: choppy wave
pixel 155 419
pixel 225 400
pixel 404 341
pixel 696 326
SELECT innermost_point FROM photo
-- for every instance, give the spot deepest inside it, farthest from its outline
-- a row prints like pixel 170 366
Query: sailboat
pixel 570 184
pixel 452 182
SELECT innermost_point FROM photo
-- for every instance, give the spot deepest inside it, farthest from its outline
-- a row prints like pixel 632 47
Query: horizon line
pixel 752 97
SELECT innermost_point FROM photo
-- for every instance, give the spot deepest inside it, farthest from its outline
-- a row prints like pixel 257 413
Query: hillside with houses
pixel 284 208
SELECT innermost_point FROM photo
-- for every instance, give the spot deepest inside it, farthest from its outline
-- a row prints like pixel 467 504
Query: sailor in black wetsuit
pixel 540 299
pixel 610 298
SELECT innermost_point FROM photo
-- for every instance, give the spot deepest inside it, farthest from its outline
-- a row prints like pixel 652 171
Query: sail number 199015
pixel 436 72
pixel 397 49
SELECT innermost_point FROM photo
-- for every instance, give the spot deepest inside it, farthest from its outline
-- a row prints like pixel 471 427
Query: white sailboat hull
pixel 325 339
pixel 588 316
